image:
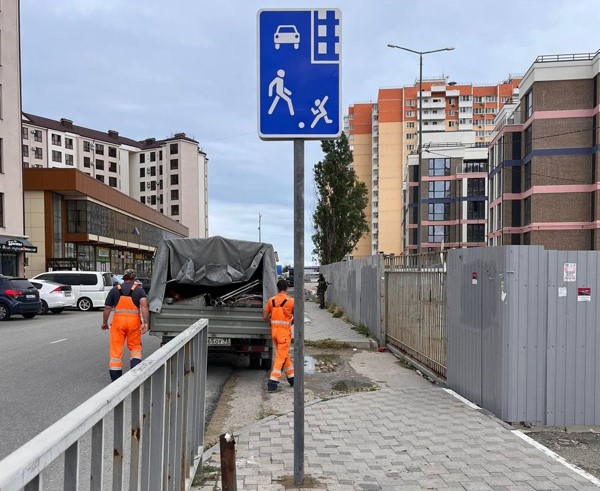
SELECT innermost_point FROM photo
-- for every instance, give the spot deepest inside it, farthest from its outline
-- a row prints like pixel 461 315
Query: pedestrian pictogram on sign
pixel 299 63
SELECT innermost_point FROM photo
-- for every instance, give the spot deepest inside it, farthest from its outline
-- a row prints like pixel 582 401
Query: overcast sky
pixel 151 68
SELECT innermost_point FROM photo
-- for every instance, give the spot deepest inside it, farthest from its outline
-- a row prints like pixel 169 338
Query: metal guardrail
pixel 567 57
pixel 166 398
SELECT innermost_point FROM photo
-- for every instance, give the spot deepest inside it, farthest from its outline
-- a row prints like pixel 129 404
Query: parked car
pixel 54 296
pixel 90 287
pixel 18 297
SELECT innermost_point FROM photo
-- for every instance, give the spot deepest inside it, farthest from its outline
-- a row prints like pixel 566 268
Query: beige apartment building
pixel 168 175
pixel 384 134
pixel 14 245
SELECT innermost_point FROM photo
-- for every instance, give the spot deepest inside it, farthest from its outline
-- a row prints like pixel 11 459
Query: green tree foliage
pixel 339 219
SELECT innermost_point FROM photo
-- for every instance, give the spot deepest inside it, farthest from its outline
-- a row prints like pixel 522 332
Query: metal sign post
pixel 299 98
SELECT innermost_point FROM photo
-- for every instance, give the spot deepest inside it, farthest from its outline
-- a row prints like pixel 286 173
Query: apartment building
pixel 453 180
pixel 385 133
pixel 544 185
pixel 14 245
pixel 168 175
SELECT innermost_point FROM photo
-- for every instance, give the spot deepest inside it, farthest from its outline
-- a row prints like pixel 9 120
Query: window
pixel 87 147
pixel 160 184
pixel 152 171
pixel 142 158
pixel 152 156
pixel 527 136
pixel 142 172
pixel 451 124
pixel 56 140
pixel 112 152
pixel 410 102
pixel 465 109
pixel 465 98
pixel 410 147
pixel 1 209
pixel 87 162
pixel 476 233
pixel 143 200
pixel 37 135
pixel 100 178
pixel 25 133
pixel 174 209
pixel 68 159
pixel 160 199
pixel 112 167
pixel 153 199
pixel 527 183
pixel 410 124
pixel 173 148
pixel 175 164
pixel 160 155
pixel 410 114
pixel 112 182
pixel 528 104
pixel 99 164
pixel 174 195
pixel 527 211
pixel 99 149
pixel 438 233
pixel 478 99
pixel 465 121
pixel 25 151
pixel 438 211
pixel 452 113
pixel 69 143
pixel 153 186
pixel 452 102
pixel 174 179
pixel 439 189
pixel 38 153
pixel 475 210
pixel 504 100
pixel 142 186
pixel 476 187
pixel 409 136
pixel 56 156
pixel 491 98
pixel 439 167
pixel 160 170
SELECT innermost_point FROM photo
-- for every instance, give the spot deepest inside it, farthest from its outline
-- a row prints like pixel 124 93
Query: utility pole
pixel 259 218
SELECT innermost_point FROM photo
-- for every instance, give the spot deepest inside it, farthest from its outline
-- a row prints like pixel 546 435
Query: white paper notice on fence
pixel 503 296
pixel 562 291
pixel 570 272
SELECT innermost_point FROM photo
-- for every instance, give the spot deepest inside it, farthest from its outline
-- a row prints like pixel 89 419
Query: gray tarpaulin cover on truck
pixel 216 261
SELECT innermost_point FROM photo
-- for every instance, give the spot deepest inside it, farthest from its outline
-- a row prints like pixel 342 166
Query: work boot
pixel 272 386
pixel 291 381
pixel 115 374
pixel 134 362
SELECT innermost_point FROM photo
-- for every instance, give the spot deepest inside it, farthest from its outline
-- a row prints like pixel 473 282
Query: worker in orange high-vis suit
pixel 279 310
pixel 128 301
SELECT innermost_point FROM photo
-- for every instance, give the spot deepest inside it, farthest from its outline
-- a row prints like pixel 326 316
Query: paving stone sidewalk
pixel 408 435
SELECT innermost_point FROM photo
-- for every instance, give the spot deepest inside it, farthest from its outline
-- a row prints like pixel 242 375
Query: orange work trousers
pixel 282 339
pixel 125 328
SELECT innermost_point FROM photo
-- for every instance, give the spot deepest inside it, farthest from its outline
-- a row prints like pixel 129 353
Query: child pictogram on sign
pixel 320 112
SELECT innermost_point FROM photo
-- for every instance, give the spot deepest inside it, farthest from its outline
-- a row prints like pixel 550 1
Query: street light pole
pixel 420 147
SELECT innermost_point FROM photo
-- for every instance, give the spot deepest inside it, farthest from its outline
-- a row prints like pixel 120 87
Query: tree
pixel 339 218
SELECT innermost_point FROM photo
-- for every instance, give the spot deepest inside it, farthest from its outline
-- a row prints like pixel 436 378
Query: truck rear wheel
pixel 266 363
pixel 255 362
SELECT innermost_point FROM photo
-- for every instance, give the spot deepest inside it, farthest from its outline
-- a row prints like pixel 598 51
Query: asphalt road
pixel 53 363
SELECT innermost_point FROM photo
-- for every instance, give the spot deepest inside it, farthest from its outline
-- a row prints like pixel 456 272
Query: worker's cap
pixel 129 274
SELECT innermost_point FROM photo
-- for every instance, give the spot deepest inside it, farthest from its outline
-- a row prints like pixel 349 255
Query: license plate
pixel 29 296
pixel 219 342
pixel 67 294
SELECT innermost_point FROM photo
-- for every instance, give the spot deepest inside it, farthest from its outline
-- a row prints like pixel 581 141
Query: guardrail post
pixel 228 475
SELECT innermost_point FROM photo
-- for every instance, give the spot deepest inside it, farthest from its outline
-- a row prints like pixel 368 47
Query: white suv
pixel 90 287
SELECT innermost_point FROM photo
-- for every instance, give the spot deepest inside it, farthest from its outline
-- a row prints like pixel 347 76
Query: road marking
pixel 58 341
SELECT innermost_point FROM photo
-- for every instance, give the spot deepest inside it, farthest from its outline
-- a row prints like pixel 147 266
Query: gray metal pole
pixel 420 153
pixel 298 312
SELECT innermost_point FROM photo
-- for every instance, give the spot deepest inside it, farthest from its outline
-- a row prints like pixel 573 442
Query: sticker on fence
pixel 562 291
pixel 570 272
pixel 584 294
pixel 474 278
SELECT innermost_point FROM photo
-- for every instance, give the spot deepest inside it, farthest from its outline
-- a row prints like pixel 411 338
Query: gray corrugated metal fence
pixel 523 337
pixel 356 286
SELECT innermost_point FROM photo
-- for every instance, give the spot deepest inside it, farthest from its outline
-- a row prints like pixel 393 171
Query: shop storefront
pixel 13 255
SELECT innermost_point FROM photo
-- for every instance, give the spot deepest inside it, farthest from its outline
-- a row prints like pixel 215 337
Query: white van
pixel 90 287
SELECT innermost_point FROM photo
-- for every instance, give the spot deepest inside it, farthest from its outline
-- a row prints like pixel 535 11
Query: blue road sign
pixel 299 82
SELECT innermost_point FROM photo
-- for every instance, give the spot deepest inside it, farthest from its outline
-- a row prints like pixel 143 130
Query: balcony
pixel 471 167
pixel 438 88
pixel 462 103
pixel 440 115
pixel 430 104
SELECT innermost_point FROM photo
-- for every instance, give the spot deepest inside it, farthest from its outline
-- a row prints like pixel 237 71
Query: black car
pixel 18 297
pixel 145 284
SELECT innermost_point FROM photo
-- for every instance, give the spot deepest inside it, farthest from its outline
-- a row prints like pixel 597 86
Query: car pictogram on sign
pixel 286 35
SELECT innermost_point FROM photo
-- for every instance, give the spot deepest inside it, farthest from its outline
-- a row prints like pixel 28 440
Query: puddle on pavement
pixel 312 362
pixel 349 385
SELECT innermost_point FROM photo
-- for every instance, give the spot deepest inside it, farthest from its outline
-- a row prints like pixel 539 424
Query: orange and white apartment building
pixel 458 120
pixel 544 176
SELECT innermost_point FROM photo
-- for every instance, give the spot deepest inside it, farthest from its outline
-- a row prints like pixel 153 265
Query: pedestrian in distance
pixel 321 289
pixel 279 311
pixel 128 301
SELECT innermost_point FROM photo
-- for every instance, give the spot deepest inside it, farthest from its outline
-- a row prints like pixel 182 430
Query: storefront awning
pixel 16 244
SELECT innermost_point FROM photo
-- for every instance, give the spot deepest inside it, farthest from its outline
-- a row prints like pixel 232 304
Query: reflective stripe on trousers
pixel 282 339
